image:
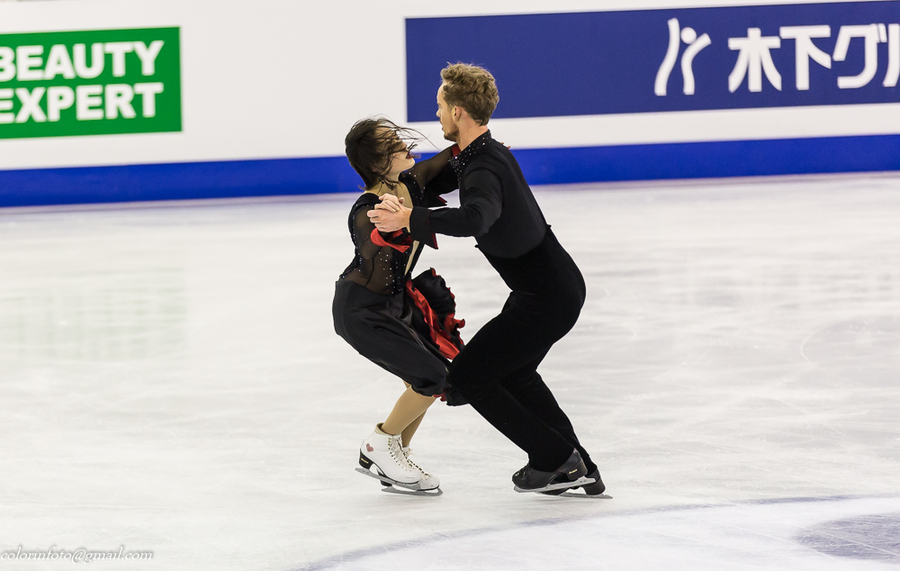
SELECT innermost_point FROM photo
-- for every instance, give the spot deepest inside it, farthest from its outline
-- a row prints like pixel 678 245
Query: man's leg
pixel 529 389
pixel 499 349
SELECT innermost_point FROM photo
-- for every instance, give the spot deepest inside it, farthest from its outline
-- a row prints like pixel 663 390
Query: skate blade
pixel 582 481
pixel 585 496
pixel 399 487
pixel 434 492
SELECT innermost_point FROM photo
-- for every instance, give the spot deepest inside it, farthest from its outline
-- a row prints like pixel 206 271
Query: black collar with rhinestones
pixel 462 160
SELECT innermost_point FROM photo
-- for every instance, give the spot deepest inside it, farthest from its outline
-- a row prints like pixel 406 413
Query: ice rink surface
pixel 172 383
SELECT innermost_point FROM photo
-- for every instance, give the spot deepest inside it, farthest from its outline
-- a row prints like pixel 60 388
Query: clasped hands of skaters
pixel 390 214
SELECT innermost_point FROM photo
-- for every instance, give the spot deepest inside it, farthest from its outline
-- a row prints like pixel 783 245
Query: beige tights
pixel 407 415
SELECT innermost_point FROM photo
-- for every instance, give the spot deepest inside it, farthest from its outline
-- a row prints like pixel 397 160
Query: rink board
pixel 600 91
pixel 540 166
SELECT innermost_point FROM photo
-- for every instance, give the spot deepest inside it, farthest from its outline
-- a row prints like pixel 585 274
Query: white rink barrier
pixel 106 101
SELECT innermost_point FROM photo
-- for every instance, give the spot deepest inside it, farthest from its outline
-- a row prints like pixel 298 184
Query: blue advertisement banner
pixel 595 63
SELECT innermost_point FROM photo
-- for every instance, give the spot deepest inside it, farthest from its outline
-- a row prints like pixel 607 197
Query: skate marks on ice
pixel 740 341
pixel 801 534
pixel 875 537
pixel 864 346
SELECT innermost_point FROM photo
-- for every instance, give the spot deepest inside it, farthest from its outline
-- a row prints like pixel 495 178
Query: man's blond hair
pixel 472 88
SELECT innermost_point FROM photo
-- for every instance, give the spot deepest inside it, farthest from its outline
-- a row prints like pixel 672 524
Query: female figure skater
pixel 383 313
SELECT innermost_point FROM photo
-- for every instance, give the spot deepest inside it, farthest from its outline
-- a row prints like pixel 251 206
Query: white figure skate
pixel 381 456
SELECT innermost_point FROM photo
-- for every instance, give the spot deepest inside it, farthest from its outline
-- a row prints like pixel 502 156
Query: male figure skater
pixel 497 369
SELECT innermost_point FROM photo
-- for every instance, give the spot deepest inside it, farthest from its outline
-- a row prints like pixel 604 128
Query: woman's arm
pixel 369 240
pixel 435 176
pixel 362 233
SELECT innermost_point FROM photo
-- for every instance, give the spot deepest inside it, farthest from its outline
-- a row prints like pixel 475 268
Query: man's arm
pixel 480 208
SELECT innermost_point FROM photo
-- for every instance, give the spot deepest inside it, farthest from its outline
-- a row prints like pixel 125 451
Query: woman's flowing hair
pixel 371 143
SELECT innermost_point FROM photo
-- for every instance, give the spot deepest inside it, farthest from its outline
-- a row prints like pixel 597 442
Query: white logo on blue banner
pixel 667 60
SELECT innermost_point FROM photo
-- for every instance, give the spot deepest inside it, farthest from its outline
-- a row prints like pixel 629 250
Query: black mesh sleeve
pixel 435 176
pixel 362 233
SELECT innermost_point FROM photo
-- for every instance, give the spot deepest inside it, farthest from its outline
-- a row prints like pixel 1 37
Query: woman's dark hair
pixel 370 144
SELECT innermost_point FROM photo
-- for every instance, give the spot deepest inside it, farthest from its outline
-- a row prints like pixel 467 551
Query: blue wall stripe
pixel 711 159
pixel 275 177
pixel 222 179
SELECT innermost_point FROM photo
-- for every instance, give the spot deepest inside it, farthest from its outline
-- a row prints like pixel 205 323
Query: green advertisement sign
pixel 101 82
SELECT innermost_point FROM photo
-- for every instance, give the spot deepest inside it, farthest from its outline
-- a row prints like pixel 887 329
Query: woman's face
pixel 400 157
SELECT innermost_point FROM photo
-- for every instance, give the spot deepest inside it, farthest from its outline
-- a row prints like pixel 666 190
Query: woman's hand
pixel 390 215
pixel 390 203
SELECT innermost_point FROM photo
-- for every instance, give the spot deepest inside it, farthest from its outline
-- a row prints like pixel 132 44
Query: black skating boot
pixel 595 489
pixel 530 480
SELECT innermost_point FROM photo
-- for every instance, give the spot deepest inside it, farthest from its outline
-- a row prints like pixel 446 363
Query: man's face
pixel 445 116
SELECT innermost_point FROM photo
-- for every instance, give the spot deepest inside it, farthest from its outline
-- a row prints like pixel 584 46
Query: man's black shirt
pixel 496 205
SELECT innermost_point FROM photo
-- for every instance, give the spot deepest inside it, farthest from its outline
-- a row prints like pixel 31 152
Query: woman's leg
pixel 409 431
pixel 407 414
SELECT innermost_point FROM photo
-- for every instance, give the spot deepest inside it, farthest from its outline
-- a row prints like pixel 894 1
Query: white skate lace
pixel 393 447
pixel 408 453
pixel 396 447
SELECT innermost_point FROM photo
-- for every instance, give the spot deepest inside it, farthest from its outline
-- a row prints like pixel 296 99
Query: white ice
pixel 172 383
